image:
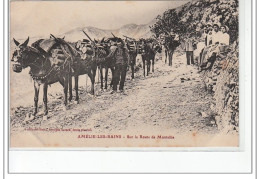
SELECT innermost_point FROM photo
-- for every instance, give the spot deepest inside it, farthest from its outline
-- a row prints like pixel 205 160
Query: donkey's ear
pixel 16 42
pixel 63 38
pixel 26 42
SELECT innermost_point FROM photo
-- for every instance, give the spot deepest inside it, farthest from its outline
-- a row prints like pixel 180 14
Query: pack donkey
pixel 87 63
pixel 96 52
pixel 49 65
pixel 148 49
pixel 105 63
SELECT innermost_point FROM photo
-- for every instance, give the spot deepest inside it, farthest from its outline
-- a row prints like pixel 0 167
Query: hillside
pixel 222 80
pixel 131 30
pixel 191 17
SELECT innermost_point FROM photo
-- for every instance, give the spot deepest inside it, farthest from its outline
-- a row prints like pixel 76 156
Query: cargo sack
pixel 47 44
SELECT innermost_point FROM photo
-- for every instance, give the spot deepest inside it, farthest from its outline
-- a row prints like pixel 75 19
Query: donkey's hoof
pixel 76 102
pixel 27 119
pixel 27 116
pixel 45 117
pixel 40 113
pixel 32 117
pixel 65 108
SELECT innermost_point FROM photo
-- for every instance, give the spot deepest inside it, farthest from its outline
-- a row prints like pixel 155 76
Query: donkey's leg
pixel 94 69
pixel 170 58
pixel 106 74
pixel 65 89
pixel 133 68
pixel 97 76
pixel 70 88
pixel 90 75
pixel 101 76
pixel 45 99
pixel 36 97
pixel 148 66
pixel 77 88
pixel 153 63
pixel 144 65
pixel 86 83
pixel 166 54
pixel 113 72
pixel 93 84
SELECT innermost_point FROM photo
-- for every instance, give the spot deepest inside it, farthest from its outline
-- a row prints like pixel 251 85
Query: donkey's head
pixel 19 57
pixel 157 47
pixel 104 42
pixel 141 46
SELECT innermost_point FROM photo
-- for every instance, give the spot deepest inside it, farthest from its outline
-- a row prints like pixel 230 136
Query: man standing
pixel 131 46
pixel 189 50
pixel 121 56
pixel 215 34
pixel 204 35
pixel 209 35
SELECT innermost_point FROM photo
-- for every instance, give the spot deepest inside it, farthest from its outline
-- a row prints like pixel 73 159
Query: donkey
pixel 148 49
pixel 44 69
pixel 103 49
pixel 170 45
pixel 86 64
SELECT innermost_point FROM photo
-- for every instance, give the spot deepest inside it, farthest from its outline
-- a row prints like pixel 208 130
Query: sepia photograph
pixel 124 74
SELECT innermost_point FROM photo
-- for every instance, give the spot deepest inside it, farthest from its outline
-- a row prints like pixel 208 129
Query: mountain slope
pixel 131 30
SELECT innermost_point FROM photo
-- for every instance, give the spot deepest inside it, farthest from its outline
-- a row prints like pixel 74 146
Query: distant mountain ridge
pixel 130 30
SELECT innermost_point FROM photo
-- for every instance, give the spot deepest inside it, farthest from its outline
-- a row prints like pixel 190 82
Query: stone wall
pixel 222 81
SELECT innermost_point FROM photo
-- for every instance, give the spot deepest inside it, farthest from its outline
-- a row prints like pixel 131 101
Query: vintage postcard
pixel 108 74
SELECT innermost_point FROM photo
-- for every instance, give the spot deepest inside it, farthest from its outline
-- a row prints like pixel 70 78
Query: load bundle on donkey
pixel 50 61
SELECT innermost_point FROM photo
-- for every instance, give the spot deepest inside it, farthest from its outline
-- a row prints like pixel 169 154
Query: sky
pixel 34 18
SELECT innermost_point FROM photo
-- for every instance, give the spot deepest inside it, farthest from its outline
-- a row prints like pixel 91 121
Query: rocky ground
pixel 171 101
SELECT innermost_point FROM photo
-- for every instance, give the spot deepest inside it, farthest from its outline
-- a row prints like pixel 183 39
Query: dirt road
pixel 171 102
